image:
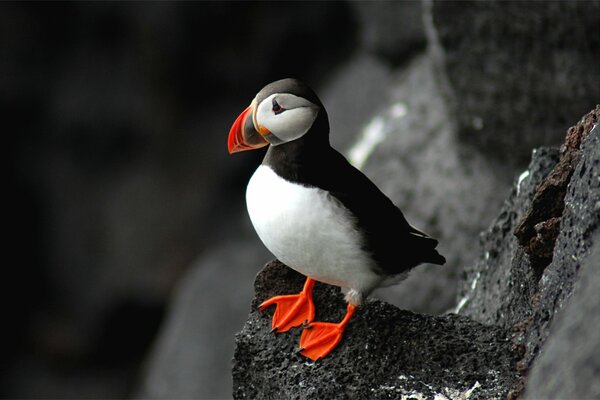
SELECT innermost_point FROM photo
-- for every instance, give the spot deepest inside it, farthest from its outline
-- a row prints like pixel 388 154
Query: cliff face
pixel 442 116
pixel 517 72
pixel 506 311
pixel 521 282
pixel 117 120
pixel 567 366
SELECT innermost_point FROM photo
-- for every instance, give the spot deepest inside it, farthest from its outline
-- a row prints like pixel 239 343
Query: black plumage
pixel 319 214
pixel 391 241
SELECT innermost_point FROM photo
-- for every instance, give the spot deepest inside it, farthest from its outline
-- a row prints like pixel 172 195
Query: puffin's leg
pixel 292 310
pixel 319 338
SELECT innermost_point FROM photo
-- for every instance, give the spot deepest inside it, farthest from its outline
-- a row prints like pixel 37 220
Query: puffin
pixel 318 214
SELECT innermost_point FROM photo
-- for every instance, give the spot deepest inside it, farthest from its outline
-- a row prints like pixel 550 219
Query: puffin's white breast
pixel 309 230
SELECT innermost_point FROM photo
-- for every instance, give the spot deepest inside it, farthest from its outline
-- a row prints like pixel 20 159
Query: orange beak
pixel 243 135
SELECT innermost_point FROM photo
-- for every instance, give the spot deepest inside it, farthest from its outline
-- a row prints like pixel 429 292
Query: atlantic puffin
pixel 318 214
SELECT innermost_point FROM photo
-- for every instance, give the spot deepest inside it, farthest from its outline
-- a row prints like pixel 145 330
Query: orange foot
pixel 319 338
pixel 292 310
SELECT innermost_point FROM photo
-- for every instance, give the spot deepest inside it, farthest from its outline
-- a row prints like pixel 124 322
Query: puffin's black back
pixel 311 161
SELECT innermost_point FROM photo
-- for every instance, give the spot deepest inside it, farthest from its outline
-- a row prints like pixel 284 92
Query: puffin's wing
pixel 393 242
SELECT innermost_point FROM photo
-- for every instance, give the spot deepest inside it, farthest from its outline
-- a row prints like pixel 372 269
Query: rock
pixel 119 123
pixel 502 287
pixel 391 30
pixel 538 229
pixel 579 222
pixel 509 70
pixel 128 183
pixel 410 149
pixel 489 285
pixel 191 356
pixel 507 314
pixel 568 364
pixel 437 171
pixel 385 353
pixel 350 106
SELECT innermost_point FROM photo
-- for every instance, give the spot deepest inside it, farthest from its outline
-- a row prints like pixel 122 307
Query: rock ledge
pixel 386 352
pixel 512 300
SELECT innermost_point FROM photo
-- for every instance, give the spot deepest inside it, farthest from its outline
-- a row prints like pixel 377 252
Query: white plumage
pixel 311 232
pixel 297 119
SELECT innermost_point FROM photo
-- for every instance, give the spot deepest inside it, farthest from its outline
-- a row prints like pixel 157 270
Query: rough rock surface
pixel 116 118
pixel 386 352
pixel 569 363
pixel 509 310
pixel 381 32
pixel 426 171
pixel 502 287
pixel 408 146
pixel 191 358
pixel 538 229
pixel 118 132
pixel 517 72
pixel 488 289
pixel 443 178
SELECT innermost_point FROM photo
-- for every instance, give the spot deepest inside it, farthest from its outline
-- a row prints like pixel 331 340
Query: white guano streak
pixel 373 134
pixel 522 177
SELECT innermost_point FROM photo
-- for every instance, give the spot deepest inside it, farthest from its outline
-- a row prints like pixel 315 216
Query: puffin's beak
pixel 242 135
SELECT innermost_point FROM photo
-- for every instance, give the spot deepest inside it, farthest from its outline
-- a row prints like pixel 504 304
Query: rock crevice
pixel 538 229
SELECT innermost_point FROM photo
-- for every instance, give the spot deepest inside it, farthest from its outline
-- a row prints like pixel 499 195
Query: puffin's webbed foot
pixel 292 310
pixel 320 338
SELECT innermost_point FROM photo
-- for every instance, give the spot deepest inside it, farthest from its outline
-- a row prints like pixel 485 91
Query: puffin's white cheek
pixel 292 124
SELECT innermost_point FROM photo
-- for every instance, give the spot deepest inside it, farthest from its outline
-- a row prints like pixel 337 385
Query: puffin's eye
pixel 277 109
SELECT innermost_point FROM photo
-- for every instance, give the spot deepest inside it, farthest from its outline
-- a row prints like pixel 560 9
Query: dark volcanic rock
pixel 507 313
pixel 410 150
pixel 392 29
pixel 503 288
pixel 386 352
pixel 191 356
pixel 539 228
pixel 580 220
pixel 487 294
pixel 120 114
pixel 517 71
pixel 569 364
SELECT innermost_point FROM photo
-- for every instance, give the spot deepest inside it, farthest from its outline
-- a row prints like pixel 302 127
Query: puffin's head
pixel 281 112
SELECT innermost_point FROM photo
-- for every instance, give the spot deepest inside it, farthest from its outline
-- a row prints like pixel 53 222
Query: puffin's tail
pixel 434 257
pixel 427 245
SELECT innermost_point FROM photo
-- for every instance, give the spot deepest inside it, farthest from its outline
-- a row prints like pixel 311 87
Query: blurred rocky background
pixel 132 257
